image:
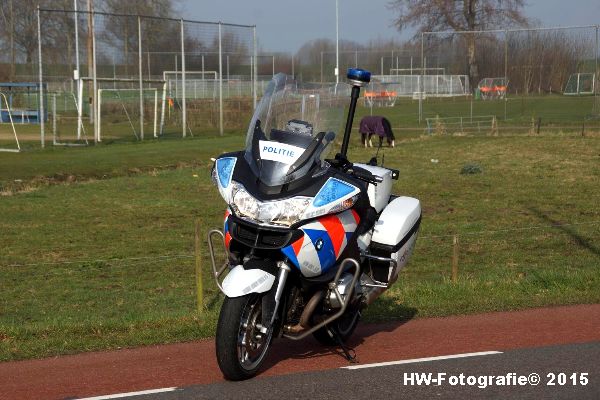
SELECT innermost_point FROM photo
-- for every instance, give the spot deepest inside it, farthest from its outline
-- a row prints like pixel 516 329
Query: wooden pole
pixel 455 259
pixel 198 254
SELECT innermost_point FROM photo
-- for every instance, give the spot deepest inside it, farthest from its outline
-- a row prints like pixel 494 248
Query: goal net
pixel 580 84
pixel 119 111
pixel 417 71
pixel 492 88
pixel 67 128
pixel 198 84
pixel 430 85
pixel 379 94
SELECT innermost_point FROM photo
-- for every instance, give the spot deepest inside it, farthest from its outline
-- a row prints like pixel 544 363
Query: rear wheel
pixel 241 345
pixel 343 327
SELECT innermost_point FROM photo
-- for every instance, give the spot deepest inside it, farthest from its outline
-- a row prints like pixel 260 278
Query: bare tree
pixel 122 31
pixel 20 25
pixel 6 11
pixel 459 15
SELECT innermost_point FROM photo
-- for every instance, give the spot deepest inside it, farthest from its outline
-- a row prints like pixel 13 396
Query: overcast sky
pixel 284 25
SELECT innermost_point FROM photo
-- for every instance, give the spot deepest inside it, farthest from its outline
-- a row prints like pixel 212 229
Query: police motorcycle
pixel 309 240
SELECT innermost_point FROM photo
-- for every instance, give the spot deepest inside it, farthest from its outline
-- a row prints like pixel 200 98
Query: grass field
pixel 515 115
pixel 98 242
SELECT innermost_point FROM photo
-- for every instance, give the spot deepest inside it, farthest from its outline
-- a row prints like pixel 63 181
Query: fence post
pixel 78 74
pixel 255 68
pixel 505 71
pixel 54 118
pixel 421 82
pixel 220 83
pixel 198 266
pixel 41 76
pixel 455 259
pixel 183 102
pixel 597 72
pixel 94 111
pixel 140 72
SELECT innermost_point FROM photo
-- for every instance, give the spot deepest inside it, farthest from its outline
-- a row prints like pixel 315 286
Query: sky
pixel 284 25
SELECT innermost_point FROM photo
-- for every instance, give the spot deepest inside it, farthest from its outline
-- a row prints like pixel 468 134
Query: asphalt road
pixel 394 381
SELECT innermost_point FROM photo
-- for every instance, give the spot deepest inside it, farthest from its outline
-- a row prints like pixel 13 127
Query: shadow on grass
pixel 569 230
pixel 310 348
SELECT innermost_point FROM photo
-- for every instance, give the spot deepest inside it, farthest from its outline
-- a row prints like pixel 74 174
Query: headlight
pixel 281 212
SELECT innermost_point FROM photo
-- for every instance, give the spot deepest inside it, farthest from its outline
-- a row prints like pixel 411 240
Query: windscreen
pixel 293 128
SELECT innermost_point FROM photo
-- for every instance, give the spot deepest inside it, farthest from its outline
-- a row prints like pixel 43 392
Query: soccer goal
pixel 6 143
pixel 62 133
pixel 380 95
pixel 417 71
pixel 580 84
pixel 126 102
pixel 198 84
pixel 493 88
pixel 430 85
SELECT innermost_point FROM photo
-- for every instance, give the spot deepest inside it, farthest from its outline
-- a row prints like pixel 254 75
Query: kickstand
pixel 349 353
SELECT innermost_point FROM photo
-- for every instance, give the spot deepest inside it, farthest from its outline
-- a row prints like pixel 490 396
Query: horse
pixel 376 125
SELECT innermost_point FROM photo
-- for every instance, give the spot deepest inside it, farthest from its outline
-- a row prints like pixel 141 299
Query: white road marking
pixel 121 395
pixel 417 360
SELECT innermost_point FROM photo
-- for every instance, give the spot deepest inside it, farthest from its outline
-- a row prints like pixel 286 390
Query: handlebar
pixel 341 163
pixel 366 176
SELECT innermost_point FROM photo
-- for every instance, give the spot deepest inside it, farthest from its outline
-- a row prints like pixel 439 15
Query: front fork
pixel 271 302
pixel 284 271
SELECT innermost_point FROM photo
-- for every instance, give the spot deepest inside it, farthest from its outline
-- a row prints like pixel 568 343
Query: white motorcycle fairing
pixel 239 281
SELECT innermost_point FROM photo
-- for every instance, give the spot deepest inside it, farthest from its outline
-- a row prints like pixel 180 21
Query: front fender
pixel 239 281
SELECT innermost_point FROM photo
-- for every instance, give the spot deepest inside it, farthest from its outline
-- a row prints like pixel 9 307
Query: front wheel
pixel 240 344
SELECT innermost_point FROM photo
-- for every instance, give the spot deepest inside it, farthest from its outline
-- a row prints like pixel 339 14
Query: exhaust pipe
pixel 306 314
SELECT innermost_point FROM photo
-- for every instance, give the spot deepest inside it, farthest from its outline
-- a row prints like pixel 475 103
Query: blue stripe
pixel 289 252
pixel 326 254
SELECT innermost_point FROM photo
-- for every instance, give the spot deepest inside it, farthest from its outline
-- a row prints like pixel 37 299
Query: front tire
pixel 241 346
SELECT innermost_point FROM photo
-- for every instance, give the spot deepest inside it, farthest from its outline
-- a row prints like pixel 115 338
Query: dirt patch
pixel 19 186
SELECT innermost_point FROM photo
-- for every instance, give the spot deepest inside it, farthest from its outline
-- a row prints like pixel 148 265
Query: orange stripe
pixel 297 245
pixel 336 231
pixel 227 239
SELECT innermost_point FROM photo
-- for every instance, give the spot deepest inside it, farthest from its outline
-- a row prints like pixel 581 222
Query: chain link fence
pixel 108 77
pixel 140 77
pixel 522 80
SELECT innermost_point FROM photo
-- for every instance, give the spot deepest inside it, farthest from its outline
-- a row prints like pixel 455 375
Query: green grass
pixel 98 242
pixel 556 114
pixel 516 114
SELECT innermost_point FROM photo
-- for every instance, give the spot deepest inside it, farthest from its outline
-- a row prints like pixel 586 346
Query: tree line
pixel 534 61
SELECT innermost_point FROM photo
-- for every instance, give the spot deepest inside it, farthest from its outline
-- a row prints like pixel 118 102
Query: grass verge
pixel 104 260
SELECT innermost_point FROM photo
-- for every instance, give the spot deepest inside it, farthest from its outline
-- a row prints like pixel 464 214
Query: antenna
pixel 358 78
